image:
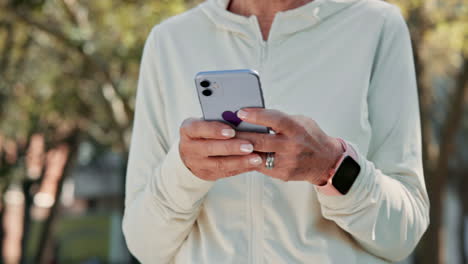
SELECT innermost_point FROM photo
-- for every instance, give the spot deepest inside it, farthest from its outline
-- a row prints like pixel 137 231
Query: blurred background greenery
pixel 68 73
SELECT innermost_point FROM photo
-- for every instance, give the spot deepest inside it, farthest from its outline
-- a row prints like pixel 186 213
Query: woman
pixel 340 92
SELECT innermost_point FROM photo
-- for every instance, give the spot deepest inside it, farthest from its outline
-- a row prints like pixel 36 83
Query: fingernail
pixel 246 148
pixel 228 132
pixel 242 114
pixel 255 161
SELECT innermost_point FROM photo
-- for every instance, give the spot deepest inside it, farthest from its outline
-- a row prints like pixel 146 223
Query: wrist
pixel 335 150
pixel 343 173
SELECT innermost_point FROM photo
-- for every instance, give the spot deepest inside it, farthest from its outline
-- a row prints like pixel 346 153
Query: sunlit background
pixel 68 73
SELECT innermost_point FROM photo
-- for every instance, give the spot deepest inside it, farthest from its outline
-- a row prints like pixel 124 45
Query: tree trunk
pixel 427 243
pixel 431 248
pixel 447 146
pixel 44 238
pixel 463 194
pixel 28 202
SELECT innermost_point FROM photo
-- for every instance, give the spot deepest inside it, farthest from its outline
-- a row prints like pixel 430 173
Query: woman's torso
pixel 321 71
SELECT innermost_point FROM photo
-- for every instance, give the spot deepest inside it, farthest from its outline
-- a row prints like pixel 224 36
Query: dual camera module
pixel 205 84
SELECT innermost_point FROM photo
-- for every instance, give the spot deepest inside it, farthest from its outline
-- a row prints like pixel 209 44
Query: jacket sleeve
pixel 162 196
pixel 387 208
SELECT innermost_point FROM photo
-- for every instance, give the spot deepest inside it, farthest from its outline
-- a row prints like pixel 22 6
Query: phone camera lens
pixel 205 83
pixel 207 92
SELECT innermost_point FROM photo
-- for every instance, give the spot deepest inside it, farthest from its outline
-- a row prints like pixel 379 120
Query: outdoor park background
pixel 68 72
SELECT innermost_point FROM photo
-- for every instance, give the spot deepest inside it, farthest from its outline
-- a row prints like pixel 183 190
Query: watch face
pixel 346 175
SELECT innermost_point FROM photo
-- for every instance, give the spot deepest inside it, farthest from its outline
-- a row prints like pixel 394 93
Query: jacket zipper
pixel 257 181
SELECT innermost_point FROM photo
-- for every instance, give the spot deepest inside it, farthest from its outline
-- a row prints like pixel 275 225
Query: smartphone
pixel 223 93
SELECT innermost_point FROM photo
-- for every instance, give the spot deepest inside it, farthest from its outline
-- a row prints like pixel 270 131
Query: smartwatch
pixel 343 174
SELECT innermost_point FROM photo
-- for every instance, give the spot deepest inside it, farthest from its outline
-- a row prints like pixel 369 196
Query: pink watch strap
pixel 328 188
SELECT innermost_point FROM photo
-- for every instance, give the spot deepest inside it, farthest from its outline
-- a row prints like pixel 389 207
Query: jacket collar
pixel 284 23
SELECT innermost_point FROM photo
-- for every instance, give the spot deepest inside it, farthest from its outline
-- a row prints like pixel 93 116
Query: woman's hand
pixel 303 152
pixel 210 150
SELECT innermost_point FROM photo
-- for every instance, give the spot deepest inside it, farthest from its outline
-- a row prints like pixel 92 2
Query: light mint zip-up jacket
pixel 346 64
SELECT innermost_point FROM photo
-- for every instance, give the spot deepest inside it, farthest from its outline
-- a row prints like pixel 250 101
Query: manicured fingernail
pixel 242 114
pixel 246 148
pixel 255 160
pixel 228 132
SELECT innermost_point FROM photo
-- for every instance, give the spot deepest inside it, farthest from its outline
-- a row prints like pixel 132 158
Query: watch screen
pixel 346 175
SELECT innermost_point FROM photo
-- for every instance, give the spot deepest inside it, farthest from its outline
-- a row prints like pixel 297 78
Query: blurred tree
pixel 439 32
pixel 68 70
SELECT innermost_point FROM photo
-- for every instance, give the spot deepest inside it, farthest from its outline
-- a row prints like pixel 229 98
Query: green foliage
pixel 444 26
pixel 65 56
pixel 27 3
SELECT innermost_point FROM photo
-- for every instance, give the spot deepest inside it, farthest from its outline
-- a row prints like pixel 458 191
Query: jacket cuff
pixel 179 185
pixel 358 191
